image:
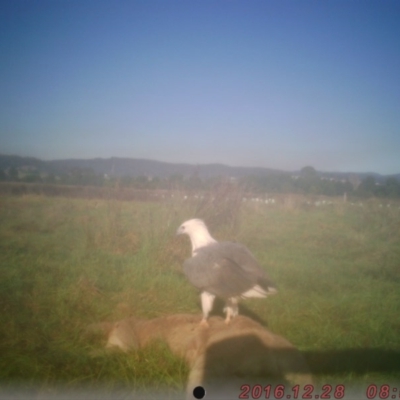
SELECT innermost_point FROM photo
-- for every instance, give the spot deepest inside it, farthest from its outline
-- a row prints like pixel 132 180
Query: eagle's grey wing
pixel 215 269
pixel 241 255
pixel 222 278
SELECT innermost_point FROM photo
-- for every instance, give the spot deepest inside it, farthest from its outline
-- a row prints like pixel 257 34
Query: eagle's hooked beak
pixel 180 230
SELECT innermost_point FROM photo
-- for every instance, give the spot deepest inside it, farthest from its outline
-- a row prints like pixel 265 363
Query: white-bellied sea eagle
pixel 224 269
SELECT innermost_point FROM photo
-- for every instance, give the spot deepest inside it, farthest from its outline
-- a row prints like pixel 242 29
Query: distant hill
pixel 119 167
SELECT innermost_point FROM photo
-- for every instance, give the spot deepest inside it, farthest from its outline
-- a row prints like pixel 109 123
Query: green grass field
pixel 66 263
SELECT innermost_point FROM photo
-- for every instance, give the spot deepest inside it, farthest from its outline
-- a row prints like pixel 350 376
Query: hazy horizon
pixel 272 84
pixel 201 164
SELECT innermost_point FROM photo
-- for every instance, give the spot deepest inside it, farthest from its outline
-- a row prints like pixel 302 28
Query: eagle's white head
pixel 197 230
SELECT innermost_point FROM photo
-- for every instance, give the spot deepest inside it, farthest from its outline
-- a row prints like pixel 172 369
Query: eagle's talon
pixel 204 323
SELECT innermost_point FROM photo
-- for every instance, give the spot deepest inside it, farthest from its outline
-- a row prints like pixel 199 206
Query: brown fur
pixel 222 357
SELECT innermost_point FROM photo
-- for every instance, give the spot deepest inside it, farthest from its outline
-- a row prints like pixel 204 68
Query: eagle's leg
pixel 231 309
pixel 207 301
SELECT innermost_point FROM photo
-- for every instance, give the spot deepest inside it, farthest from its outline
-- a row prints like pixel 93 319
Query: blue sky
pixel 279 84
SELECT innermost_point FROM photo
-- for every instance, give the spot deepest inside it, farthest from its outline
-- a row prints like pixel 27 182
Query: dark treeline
pixel 308 182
